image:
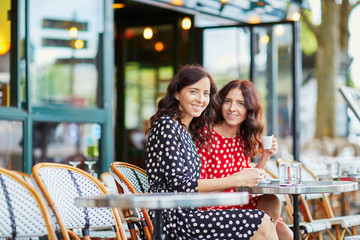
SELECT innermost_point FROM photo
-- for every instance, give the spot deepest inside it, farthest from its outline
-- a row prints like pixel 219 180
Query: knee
pixel 283 231
pixel 271 205
pixel 266 230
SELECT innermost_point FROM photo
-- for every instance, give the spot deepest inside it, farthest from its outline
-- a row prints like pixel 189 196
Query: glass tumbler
pixel 295 173
pixel 284 173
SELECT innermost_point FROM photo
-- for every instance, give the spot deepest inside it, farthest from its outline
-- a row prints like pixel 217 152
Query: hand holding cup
pixel 270 145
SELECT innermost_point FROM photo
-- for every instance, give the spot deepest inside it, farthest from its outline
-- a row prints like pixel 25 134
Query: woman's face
pixel 233 108
pixel 193 99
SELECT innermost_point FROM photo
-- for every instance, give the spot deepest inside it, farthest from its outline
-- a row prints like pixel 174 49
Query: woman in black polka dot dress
pixel 173 165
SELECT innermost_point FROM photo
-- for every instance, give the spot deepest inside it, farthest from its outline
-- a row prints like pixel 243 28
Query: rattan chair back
pixel 23 212
pixel 131 179
pixel 61 184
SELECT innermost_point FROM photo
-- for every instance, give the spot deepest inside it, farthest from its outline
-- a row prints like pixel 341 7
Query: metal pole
pixel 297 78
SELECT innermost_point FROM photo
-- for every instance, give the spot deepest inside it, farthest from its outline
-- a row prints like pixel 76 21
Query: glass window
pixel 227 54
pixel 66 52
pixel 11 147
pixel 274 80
pixel 227 57
pixel 5 46
pixel 71 143
pixel 148 71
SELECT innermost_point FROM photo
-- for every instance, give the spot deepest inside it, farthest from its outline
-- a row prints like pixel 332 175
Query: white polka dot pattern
pixel 173 165
pixel 225 157
pixel 28 217
pixel 63 191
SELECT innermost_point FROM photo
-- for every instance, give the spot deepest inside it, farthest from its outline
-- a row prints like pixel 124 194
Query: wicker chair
pixel 23 212
pixel 60 185
pixel 131 179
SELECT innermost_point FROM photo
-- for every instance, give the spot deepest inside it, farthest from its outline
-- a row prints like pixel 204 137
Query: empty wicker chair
pixel 23 212
pixel 60 185
pixel 131 179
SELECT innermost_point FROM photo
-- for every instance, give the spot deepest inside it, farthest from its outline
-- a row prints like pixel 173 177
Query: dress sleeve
pixel 175 157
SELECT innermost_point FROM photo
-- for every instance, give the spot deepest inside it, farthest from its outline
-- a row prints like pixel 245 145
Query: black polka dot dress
pixel 173 165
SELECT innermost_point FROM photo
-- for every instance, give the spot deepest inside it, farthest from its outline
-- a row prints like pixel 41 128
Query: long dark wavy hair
pixel 252 128
pixel 169 105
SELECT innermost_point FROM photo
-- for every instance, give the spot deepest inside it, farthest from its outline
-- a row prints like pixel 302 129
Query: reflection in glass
pixel 273 79
pixel 148 70
pixel 70 143
pixel 65 49
pixel 5 46
pixel 227 54
pixel 11 149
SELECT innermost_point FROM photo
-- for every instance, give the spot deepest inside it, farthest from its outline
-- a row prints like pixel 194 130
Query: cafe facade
pixel 80 79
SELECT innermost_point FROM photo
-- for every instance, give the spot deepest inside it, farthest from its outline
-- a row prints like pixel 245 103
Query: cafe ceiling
pixel 217 12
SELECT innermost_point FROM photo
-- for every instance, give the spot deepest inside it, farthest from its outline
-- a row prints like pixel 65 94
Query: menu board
pixel 352 97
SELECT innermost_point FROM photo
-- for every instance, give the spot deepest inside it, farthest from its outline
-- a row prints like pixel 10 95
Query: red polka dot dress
pixel 223 158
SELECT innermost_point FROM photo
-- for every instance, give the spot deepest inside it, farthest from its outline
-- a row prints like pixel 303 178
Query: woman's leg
pixel 266 230
pixel 270 204
pixel 283 231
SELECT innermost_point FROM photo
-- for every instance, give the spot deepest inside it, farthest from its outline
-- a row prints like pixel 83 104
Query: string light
pixel 118 5
pixel 79 44
pixel 264 39
pixel 186 23
pixel 148 33
pixel 159 46
pixel 4 47
pixel 73 32
pixel 279 30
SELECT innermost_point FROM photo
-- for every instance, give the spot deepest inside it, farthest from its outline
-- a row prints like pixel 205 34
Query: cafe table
pixel 161 201
pixel 306 187
pixel 349 177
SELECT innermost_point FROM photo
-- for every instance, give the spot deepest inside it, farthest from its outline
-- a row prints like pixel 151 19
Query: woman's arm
pixel 247 177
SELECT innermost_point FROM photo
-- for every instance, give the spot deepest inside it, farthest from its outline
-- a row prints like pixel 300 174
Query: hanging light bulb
pixel 159 46
pixel 296 16
pixel 118 5
pixel 264 39
pixel 4 47
pixel 177 2
pixel 279 30
pixel 186 23
pixel 148 33
pixel 79 44
pixel 73 32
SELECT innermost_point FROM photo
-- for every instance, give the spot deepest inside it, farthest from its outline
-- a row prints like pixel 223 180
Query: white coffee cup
pixel 267 142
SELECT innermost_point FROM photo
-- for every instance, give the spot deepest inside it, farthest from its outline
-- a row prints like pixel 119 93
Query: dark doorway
pixel 144 68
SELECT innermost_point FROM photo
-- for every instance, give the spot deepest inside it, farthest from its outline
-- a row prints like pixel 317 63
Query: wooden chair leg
pixel 131 227
pixel 320 236
pixel 354 230
pixel 331 234
pixel 338 234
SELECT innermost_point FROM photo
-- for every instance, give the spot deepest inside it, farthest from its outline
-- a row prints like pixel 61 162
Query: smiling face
pixel 233 108
pixel 193 99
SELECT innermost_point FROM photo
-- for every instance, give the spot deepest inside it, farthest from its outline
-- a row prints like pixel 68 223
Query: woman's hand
pixel 267 153
pixel 248 177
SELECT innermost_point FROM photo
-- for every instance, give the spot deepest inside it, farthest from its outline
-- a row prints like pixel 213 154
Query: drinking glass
pixel 295 173
pixel 284 173
pixel 90 164
pixel 74 163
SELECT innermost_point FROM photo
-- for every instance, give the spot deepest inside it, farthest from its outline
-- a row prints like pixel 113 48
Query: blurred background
pixel 79 80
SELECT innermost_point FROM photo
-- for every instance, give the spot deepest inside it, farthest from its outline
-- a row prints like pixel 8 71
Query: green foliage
pixel 308 40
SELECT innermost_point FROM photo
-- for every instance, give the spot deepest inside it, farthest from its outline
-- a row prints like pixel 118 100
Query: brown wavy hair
pixel 169 105
pixel 252 128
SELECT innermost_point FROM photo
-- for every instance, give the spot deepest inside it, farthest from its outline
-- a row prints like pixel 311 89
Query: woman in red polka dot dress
pixel 237 133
